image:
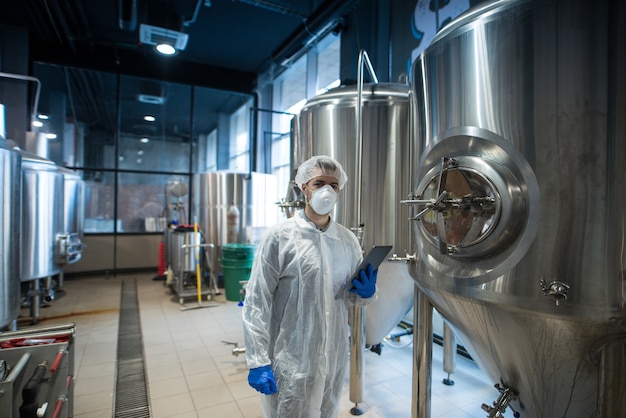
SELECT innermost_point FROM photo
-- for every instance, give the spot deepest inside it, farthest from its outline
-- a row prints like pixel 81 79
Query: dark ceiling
pixel 230 41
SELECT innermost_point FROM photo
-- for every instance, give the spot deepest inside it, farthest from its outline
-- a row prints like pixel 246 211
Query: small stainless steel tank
pixel 42 217
pixel 70 245
pixel 520 205
pixel 10 216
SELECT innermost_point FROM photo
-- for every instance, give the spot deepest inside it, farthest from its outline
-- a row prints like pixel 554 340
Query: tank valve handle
pixel 408 258
pixel 507 395
pixel 556 290
pixel 236 349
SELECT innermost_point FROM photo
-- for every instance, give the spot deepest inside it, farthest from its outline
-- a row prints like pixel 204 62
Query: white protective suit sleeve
pixel 295 314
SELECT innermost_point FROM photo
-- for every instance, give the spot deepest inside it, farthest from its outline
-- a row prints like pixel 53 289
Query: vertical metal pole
pixel 357 361
pixel 363 61
pixel 357 314
pixel 449 353
pixel 422 355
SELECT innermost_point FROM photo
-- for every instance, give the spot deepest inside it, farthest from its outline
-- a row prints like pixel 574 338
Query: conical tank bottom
pixel 552 364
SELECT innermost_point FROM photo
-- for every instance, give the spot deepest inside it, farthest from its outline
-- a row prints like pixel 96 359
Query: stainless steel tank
pixel 70 242
pixel 254 194
pixel 327 125
pixel 520 206
pixel 11 192
pixel 42 217
pixel 185 250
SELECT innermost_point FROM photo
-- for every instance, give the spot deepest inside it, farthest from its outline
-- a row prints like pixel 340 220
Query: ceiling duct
pixel 164 25
pixel 154 35
pixel 152 94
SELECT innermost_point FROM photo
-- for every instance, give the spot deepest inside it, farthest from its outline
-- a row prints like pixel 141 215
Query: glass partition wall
pixel 132 139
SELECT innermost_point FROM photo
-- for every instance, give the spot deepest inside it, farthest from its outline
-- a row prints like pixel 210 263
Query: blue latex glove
pixel 365 284
pixel 262 379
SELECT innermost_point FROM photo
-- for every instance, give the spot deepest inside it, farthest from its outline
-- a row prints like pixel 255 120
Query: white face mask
pixel 323 199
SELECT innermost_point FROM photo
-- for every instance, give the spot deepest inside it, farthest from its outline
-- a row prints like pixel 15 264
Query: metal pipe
pixel 363 60
pixel 275 7
pixel 50 330
pixel 357 323
pixel 37 92
pixel 18 368
pixel 194 16
pixel 422 355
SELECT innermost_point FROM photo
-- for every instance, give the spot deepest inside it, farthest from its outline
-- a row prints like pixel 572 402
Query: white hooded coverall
pixel 296 315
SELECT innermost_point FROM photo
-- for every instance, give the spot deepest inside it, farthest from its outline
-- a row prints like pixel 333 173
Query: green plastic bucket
pixel 235 271
pixel 238 251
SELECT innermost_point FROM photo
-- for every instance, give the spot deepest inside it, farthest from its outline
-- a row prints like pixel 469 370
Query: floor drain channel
pixel 131 393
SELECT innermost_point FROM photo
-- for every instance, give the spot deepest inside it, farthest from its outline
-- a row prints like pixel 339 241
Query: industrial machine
pixel 518 204
pixel 10 214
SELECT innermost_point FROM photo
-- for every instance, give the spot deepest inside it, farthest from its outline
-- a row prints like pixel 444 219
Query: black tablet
pixel 376 255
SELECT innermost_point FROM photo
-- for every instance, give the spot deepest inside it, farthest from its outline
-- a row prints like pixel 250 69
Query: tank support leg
pixel 357 361
pixel 422 355
pixel 449 353
pixel 35 301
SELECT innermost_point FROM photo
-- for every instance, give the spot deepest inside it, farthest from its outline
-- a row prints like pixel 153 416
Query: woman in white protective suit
pixel 295 313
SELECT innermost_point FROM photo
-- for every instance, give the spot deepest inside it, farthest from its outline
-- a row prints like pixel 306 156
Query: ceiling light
pixel 140 152
pixel 165 49
pixel 149 118
pixel 144 140
pixel 43 116
pixel 37 123
pixel 51 136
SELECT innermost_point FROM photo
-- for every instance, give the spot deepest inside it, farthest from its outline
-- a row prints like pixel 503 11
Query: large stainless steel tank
pixel 42 217
pixel 327 125
pixel 11 192
pixel 520 198
pixel 255 196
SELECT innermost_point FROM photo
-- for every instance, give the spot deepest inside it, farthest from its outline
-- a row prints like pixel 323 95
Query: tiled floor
pixel 193 373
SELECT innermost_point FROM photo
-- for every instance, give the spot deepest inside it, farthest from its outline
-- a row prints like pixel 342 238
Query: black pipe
pixel 29 392
pixel 127 11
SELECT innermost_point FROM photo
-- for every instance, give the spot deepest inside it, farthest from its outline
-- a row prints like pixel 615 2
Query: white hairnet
pixel 321 165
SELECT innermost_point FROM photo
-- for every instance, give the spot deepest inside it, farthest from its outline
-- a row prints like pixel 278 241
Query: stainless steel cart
pixel 191 261
pixel 37 372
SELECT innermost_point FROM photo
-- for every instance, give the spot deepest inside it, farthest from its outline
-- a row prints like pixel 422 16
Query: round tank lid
pixel 29 157
pixel 485 10
pixel 371 91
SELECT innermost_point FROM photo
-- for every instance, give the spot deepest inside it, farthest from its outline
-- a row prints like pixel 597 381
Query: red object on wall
pixel 162 268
